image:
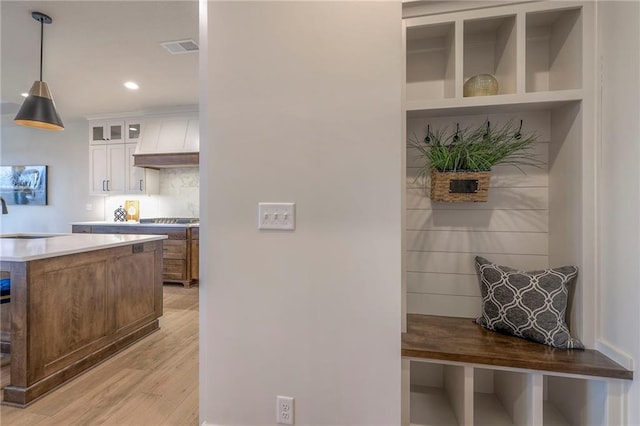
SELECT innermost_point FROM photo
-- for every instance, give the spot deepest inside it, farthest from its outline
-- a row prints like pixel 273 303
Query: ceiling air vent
pixel 180 46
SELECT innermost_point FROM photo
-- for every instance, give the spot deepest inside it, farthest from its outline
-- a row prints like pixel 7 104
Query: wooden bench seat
pixel 460 340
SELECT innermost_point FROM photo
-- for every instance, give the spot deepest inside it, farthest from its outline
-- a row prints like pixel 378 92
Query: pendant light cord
pixel 41 43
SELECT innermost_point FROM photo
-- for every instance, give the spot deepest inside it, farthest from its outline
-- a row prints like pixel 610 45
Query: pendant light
pixel 38 109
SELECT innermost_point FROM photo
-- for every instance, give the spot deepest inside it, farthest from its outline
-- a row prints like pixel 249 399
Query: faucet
pixel 4 206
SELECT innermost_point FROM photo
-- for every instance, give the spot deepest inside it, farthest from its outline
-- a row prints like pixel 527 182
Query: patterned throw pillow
pixel 531 305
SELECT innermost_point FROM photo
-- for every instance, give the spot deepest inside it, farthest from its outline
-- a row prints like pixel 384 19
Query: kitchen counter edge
pixel 23 250
pixel 168 225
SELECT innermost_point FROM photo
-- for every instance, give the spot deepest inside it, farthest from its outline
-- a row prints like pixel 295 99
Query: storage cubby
pixel 502 398
pixel 490 48
pixel 574 402
pixel 430 61
pixel 554 50
pixel 438 394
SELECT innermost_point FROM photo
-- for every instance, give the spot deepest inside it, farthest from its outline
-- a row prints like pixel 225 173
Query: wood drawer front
pixel 174 269
pixel 172 249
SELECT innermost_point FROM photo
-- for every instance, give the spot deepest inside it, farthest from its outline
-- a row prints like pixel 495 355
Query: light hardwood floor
pixel 153 382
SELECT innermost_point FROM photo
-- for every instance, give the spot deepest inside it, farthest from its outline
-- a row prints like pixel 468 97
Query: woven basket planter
pixel 452 187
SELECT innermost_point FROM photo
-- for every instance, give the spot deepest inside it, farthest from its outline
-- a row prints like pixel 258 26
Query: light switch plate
pixel 281 216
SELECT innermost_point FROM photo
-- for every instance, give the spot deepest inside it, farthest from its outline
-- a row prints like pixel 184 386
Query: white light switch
pixel 277 216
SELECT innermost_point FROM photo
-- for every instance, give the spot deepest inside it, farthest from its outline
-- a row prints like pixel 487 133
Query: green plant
pixel 475 149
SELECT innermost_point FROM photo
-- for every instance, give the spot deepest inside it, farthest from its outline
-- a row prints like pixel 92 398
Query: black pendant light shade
pixel 38 109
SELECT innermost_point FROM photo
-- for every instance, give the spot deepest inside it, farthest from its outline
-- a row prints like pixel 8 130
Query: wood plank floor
pixel 153 382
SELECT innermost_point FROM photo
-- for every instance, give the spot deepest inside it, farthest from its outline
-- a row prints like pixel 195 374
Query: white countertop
pixel 167 225
pixel 16 249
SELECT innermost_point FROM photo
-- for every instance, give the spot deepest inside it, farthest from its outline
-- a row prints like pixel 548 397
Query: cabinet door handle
pixel 103 185
pixel 108 185
pixel 140 184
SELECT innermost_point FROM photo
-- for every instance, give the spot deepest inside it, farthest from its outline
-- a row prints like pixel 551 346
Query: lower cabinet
pixel 179 254
pixel 195 253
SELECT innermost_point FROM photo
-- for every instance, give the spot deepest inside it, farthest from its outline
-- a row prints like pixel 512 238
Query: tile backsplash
pixel 179 196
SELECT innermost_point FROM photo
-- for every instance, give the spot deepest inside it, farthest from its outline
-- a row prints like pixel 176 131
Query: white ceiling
pixel 92 48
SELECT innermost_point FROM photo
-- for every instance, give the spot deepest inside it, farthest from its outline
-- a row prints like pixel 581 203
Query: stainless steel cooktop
pixel 179 220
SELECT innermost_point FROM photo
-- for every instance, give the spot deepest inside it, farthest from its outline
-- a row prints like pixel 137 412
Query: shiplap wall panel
pixel 478 242
pixel 462 263
pixel 445 305
pixel 484 220
pixel 434 283
pixel 442 239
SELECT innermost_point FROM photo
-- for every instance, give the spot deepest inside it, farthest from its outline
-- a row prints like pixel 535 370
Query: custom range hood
pixel 169 142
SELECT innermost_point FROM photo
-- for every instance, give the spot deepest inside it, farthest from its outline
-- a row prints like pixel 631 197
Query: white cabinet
pixel 111 166
pixel 139 180
pixel 106 131
pixel 106 169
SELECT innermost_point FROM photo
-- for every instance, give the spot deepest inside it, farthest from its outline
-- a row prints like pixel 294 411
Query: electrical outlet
pixel 277 216
pixel 284 412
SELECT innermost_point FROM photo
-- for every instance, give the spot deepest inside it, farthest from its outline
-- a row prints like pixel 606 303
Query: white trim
pixel 617 355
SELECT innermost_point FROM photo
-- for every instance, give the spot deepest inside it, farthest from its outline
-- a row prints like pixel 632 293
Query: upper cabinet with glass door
pixel 106 132
pixel 133 130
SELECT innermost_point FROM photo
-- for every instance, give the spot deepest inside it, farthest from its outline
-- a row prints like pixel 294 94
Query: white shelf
pixel 490 48
pixel 553 50
pixel 430 61
pixel 492 104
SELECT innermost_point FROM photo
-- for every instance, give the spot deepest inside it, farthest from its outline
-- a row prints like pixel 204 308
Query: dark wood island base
pixel 73 311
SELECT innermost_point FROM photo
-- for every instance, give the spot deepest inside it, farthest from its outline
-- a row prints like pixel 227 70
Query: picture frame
pixel 24 185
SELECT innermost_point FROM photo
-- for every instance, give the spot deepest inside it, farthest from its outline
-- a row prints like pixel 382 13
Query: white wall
pixel 302 104
pixel 619 189
pixel 66 153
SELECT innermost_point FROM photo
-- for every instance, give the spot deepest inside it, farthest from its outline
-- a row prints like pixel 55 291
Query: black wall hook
pixel 427 138
pixel 518 134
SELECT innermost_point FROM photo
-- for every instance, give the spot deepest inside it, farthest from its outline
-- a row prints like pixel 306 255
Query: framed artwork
pixel 24 185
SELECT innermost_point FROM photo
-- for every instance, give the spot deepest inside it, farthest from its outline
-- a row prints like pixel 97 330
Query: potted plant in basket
pixel 459 163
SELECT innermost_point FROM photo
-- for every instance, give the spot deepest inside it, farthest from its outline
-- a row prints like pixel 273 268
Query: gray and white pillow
pixel 531 305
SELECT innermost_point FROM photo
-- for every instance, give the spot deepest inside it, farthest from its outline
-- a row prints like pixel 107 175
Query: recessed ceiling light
pixel 131 85
pixel 24 95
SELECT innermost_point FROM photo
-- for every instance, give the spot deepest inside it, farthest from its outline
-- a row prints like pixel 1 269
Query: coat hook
pixel 456 138
pixel 427 138
pixel 488 131
pixel 518 134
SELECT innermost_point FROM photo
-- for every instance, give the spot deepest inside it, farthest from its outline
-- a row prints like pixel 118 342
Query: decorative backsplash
pixel 179 196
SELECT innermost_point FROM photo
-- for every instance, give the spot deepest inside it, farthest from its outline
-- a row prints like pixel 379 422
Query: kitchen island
pixel 181 262
pixel 76 300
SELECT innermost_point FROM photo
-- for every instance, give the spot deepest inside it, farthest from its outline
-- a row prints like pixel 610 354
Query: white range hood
pixel 169 142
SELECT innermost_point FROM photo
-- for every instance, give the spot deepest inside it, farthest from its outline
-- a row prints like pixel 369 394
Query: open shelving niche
pixel 531 221
pixel 458 394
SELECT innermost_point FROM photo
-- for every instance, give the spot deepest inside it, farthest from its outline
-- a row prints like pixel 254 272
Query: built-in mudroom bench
pixel 472 376
pixel 538 216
